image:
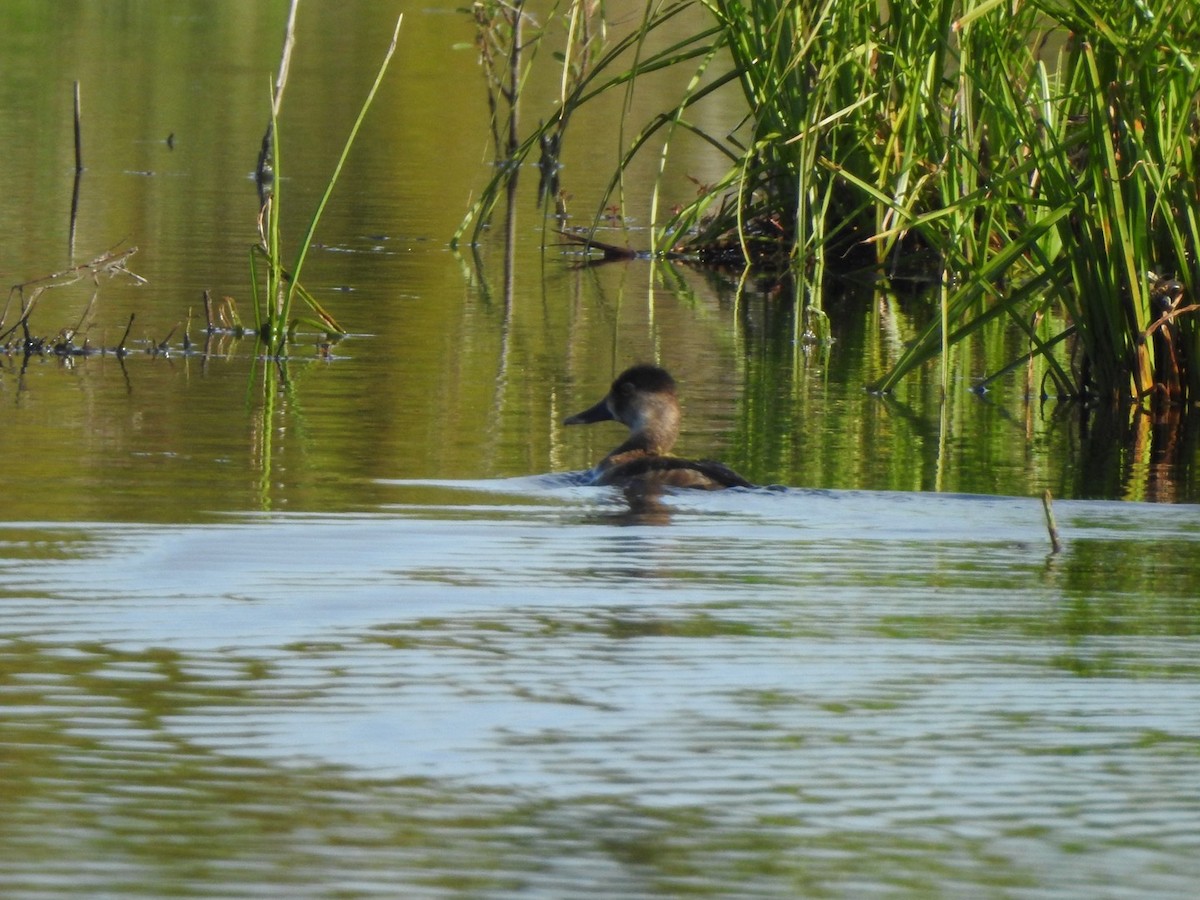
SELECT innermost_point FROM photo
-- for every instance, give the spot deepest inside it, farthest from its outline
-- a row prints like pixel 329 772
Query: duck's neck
pixel 652 433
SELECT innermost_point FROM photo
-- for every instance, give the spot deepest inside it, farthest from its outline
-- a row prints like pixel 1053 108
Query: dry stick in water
pixel 78 172
pixel 87 310
pixel 121 351
pixel 514 79
pixel 78 133
pixel 164 346
pixel 111 263
pixel 1055 543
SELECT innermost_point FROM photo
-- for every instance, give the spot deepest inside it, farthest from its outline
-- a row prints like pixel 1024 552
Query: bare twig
pixel 110 263
pixel 121 350
pixel 1055 543
pixel 78 132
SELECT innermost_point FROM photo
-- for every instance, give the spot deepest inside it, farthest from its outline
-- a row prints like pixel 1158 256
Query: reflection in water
pixel 496 689
pixel 441 378
pixel 1139 454
pixel 646 506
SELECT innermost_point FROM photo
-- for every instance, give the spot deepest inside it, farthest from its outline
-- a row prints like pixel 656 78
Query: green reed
pixel 1033 163
pixel 1090 191
pixel 590 67
pixel 274 319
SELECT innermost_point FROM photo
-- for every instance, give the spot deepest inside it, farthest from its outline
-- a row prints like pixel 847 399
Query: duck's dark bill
pixel 598 413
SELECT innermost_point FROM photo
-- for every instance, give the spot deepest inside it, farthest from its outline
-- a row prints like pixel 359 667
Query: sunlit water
pixel 515 689
pixel 357 632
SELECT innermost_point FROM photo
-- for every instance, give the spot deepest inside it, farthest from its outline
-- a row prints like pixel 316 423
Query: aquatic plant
pixel 507 38
pixel 1091 180
pixel 274 320
pixel 1031 164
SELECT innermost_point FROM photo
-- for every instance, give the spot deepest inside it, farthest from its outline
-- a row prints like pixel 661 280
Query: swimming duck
pixel 643 398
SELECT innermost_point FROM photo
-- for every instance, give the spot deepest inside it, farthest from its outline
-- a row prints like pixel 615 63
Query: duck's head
pixel 643 399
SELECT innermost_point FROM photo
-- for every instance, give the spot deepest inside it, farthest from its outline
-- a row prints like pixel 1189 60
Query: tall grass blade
pixel 306 242
pixel 273 310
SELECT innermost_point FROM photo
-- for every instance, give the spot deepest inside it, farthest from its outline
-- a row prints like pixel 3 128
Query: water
pixel 505 689
pixel 363 635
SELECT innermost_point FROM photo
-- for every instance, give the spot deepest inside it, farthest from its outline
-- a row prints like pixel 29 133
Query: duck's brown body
pixel 643 399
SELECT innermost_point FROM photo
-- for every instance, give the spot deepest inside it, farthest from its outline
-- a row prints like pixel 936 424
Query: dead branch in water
pixel 26 295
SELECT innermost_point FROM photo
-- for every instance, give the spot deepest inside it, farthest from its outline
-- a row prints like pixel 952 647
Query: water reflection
pixel 646 506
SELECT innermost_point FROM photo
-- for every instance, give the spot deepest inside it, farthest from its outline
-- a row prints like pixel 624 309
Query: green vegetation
pixel 274 320
pixel 507 38
pixel 1034 164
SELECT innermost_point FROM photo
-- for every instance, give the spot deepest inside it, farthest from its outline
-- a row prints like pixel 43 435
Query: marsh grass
pixel 507 39
pixel 277 288
pixel 1090 190
pixel 1031 161
pixel 1033 165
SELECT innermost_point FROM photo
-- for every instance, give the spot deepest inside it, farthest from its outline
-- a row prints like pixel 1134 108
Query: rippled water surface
pixel 515 689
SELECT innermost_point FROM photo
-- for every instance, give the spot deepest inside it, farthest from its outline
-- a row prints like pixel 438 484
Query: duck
pixel 644 399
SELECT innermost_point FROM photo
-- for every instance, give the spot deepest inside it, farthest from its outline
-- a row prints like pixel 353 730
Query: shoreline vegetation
pixel 1028 165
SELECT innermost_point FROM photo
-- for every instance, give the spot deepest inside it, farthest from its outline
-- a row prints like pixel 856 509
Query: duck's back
pixel 671 471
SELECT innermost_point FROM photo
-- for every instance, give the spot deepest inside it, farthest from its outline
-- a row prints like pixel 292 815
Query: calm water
pixel 363 636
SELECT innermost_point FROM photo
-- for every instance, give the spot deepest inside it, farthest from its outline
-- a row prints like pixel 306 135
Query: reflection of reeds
pixel 274 320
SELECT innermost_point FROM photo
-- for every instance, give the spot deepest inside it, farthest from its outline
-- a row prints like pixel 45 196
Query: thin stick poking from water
pixel 78 173
pixel 514 80
pixel 121 349
pixel 1055 543
pixel 78 132
pixel 86 312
